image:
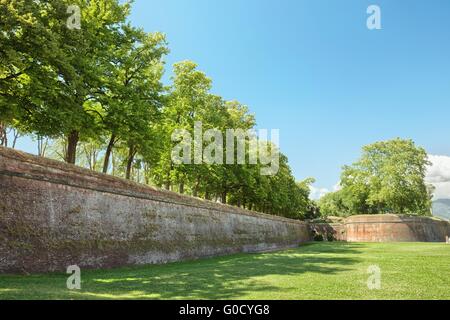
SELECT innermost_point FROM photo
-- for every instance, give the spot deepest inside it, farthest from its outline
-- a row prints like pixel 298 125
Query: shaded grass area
pixel 311 271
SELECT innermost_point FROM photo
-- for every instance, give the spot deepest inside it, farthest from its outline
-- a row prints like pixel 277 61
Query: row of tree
pixel 93 96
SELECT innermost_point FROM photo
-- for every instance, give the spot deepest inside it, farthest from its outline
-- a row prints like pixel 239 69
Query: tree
pixel 89 56
pixel 389 177
pixel 94 94
pixel 51 71
pixel 186 103
pixel 235 179
pixel 133 99
pixel 334 204
pixel 306 207
pixel 29 53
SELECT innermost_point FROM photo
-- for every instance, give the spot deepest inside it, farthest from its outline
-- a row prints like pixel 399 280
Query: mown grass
pixel 312 271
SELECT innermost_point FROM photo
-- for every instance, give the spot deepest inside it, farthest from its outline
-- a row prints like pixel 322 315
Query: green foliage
pixel 389 178
pixel 49 72
pixel 96 94
pixel 332 204
pixel 133 96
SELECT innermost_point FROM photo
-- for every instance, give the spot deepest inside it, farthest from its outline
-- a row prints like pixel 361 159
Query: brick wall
pixel 395 228
pixel 53 215
pixel 384 228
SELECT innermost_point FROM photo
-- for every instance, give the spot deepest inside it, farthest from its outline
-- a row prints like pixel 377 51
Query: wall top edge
pixel 28 166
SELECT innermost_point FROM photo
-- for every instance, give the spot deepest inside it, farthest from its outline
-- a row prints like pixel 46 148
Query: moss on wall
pixel 53 215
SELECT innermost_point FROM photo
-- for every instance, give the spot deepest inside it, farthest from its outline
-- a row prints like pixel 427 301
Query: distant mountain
pixel 441 208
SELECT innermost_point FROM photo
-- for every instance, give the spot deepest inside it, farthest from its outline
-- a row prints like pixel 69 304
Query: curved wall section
pixel 383 228
pixel 395 228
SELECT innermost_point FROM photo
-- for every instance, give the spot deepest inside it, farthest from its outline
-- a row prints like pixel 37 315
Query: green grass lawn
pixel 311 271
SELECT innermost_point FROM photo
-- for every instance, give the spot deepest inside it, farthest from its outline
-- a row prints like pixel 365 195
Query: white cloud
pixel 438 174
pixel 317 193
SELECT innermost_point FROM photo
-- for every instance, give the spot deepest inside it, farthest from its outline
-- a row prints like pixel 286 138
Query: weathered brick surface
pixel 385 228
pixel 329 231
pixel 395 228
pixel 53 215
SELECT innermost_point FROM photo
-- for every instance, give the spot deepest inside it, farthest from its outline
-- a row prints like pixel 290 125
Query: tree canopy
pixel 93 95
pixel 388 178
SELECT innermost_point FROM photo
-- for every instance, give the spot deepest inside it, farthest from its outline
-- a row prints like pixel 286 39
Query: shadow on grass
pixel 225 277
pixel 228 277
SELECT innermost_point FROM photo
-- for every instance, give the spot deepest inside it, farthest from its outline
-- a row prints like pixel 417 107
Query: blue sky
pixel 312 69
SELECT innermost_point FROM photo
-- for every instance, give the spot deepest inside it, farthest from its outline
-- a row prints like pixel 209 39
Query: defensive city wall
pixel 53 215
pixel 384 228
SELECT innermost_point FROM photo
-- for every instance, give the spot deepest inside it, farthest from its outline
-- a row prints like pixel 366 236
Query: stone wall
pixel 395 228
pixel 328 231
pixel 384 228
pixel 53 215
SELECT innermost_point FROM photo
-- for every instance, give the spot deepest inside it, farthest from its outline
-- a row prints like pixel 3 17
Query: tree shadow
pixel 218 278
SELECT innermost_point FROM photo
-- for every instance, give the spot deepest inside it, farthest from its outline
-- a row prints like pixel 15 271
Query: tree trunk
pixel 3 135
pixel 181 187
pixel 15 137
pixel 195 190
pixel 146 173
pixel 42 145
pixel 72 142
pixel 167 183
pixel 224 197
pixel 131 154
pixel 111 143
